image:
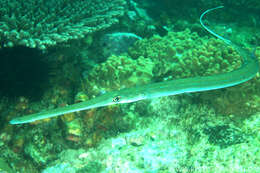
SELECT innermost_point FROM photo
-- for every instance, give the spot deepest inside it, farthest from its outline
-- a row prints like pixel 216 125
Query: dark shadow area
pixel 23 72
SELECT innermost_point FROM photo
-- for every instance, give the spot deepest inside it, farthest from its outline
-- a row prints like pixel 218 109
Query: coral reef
pixel 45 23
pixel 168 134
pixel 175 141
pixel 73 130
pixel 117 43
pixel 224 135
pixel 72 161
pixel 242 100
pixel 140 150
pixel 177 55
pixel 185 54
pixel 213 141
pixel 118 72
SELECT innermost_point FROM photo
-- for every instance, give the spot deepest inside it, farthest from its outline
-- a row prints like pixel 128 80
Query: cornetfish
pixel 248 70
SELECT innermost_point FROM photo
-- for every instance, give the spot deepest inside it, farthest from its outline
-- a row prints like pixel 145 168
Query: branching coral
pixel 45 23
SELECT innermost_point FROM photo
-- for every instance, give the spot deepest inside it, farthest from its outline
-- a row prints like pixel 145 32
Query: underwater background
pixel 58 52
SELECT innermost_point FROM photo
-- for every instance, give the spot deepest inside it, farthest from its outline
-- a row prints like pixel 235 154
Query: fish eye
pixel 116 99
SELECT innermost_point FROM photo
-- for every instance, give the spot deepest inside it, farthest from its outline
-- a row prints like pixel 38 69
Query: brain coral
pixel 44 23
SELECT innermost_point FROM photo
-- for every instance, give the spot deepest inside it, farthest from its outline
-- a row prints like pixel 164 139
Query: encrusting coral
pixel 45 23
